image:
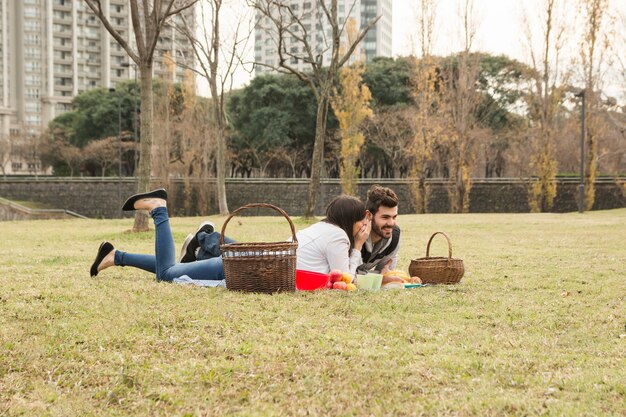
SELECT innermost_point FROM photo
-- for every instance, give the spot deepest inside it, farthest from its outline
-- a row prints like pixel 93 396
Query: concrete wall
pixel 101 198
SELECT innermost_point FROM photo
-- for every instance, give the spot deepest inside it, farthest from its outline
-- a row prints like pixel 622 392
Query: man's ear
pixel 369 215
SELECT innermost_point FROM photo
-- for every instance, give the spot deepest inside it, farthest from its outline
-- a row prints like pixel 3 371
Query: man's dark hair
pixel 380 196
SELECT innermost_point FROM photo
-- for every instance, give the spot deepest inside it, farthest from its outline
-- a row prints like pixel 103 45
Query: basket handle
pixel 449 244
pixel 253 205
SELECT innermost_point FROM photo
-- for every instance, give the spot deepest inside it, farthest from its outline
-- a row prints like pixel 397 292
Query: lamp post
pixel 119 143
pixel 128 65
pixel 581 186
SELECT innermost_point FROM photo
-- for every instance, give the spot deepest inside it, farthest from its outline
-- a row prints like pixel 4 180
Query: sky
pixel 499 29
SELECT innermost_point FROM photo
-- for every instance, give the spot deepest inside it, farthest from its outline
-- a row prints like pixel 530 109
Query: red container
pixel 309 280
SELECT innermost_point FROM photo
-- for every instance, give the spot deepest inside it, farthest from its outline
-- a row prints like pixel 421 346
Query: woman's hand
pixel 362 234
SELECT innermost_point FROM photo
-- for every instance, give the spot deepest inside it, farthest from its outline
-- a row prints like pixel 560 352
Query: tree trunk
pixel 318 155
pixel 144 169
pixel 221 170
pixel 220 159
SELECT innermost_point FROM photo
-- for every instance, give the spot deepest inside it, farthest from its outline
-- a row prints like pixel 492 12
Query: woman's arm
pixel 337 254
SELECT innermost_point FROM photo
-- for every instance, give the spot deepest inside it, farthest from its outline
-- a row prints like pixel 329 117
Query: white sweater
pixel 323 247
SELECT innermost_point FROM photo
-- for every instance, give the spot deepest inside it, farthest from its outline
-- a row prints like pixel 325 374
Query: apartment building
pixel 51 51
pixel 377 41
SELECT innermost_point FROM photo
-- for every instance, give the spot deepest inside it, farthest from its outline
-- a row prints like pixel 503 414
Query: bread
pixel 398 274
pixel 416 280
pixel 390 278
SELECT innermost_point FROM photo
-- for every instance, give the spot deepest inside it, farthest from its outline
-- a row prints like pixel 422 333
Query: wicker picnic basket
pixel 260 267
pixel 438 270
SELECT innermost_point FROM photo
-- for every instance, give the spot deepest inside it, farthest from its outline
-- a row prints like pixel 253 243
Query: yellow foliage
pixel 351 108
pixel 427 128
pixel 543 189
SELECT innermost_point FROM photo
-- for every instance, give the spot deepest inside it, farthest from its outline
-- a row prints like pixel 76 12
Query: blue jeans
pixel 163 263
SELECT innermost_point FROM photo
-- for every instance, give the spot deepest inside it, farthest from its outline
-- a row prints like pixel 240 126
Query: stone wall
pixel 101 198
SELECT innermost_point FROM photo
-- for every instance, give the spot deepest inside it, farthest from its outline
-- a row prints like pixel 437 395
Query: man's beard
pixel 380 232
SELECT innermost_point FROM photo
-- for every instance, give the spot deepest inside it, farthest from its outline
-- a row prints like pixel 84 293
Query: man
pixel 380 251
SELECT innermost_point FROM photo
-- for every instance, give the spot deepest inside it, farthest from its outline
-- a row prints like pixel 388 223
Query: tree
pixel 194 147
pixel 61 155
pixel 593 54
pixel 427 94
pixel 289 24
pixel 461 101
pixel 389 80
pixel 104 153
pixel 167 98
pixel 351 108
pixel 95 114
pixel 388 135
pixel 6 150
pixel 148 19
pixel 544 98
pixel 273 111
pixel 209 48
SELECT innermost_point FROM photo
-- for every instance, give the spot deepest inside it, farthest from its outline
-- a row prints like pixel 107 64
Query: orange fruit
pixel 340 285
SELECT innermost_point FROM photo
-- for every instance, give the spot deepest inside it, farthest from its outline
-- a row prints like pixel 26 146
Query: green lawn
pixel 536 327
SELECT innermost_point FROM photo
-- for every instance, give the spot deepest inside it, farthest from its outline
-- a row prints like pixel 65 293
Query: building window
pixel 32 120
pixel 32 39
pixel 16 166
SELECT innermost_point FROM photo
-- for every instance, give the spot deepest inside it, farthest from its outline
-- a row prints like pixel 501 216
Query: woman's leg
pixel 164 262
pixel 207 269
pixel 145 262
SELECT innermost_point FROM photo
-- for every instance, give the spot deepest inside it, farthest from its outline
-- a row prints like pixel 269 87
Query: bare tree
pixel 544 98
pixel 593 54
pixel 218 58
pixel 427 102
pixel 149 17
pixel 164 123
pixel 6 149
pixel 462 99
pixel 352 109
pixel 104 153
pixel 292 39
pixel 389 134
pixel 57 149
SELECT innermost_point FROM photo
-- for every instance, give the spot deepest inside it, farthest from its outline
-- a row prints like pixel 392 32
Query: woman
pixel 336 241
pixel 163 263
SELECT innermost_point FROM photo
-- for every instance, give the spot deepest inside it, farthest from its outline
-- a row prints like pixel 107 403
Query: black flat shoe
pixel 129 205
pixel 104 249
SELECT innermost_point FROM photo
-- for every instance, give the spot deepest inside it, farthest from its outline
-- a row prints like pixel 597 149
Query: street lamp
pixel 581 186
pixel 119 143
pixel 128 65
pixel 119 131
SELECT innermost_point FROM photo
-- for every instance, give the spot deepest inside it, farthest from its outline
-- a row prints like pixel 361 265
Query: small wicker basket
pixel 438 270
pixel 260 267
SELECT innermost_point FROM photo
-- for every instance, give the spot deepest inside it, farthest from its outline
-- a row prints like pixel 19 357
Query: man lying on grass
pixel 380 251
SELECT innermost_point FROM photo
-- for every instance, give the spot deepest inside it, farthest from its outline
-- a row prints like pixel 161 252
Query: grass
pixel 536 327
pixel 34 204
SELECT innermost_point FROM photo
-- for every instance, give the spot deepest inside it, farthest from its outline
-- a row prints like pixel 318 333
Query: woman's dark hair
pixel 343 212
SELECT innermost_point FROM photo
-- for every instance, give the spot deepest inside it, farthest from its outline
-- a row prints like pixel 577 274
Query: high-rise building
pixel 377 41
pixel 52 50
